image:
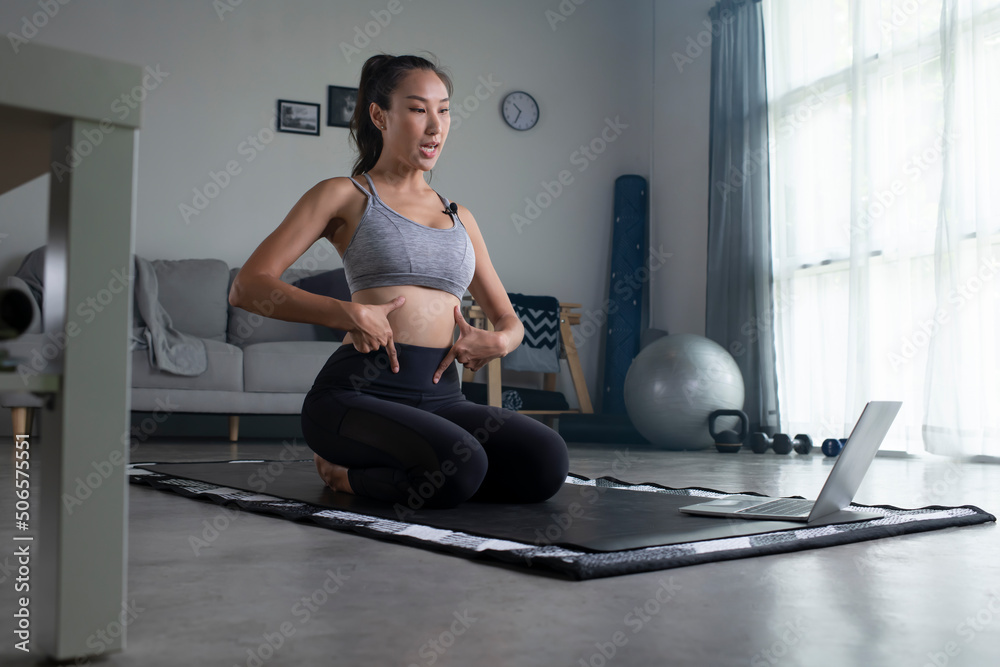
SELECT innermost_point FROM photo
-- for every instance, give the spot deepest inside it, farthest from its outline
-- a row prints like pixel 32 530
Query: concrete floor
pixel 930 598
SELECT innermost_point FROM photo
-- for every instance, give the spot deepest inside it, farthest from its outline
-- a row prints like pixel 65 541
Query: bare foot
pixel 335 476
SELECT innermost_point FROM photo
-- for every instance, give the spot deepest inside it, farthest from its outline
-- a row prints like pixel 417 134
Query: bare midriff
pixel 427 316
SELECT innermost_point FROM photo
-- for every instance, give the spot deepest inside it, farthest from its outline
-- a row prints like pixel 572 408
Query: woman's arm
pixel 258 287
pixel 489 292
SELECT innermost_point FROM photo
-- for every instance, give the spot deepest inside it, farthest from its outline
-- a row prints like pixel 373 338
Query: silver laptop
pixel 840 487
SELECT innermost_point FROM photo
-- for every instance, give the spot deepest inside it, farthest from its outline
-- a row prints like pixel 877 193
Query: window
pixel 886 217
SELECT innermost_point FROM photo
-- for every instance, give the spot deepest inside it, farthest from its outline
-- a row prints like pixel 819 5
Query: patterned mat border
pixel 579 565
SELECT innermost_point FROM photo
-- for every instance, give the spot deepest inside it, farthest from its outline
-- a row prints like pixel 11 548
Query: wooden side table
pixel 567 350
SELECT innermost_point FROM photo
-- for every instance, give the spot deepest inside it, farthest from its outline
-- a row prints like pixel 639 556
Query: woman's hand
pixel 370 327
pixel 474 348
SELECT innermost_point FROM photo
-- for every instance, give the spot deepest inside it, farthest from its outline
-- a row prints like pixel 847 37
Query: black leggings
pixel 417 444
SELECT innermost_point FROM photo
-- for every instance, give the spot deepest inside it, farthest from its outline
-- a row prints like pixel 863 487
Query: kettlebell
pixel 729 442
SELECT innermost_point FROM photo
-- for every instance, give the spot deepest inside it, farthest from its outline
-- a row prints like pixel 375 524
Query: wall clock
pixel 520 110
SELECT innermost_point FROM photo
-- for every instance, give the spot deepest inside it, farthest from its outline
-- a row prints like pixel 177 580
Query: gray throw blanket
pixel 32 272
pixel 539 351
pixel 169 349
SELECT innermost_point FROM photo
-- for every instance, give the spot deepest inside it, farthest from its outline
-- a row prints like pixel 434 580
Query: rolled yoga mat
pixel 628 289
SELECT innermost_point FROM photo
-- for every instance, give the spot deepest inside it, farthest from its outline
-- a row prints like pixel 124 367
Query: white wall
pixel 223 77
pixel 679 181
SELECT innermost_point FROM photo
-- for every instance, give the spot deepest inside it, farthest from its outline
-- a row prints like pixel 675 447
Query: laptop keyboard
pixel 781 507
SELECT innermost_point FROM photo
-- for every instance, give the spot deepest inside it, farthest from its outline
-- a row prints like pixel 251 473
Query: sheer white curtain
pixel 886 234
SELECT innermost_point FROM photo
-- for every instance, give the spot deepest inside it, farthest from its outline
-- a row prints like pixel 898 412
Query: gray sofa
pixel 255 365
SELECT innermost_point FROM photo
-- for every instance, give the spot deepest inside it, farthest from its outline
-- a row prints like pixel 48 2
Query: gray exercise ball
pixel 674 383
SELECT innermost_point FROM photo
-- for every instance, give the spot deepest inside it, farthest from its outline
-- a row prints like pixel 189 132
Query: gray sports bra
pixel 389 249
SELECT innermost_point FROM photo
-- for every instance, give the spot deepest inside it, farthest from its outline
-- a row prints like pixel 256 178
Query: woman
pixel 385 416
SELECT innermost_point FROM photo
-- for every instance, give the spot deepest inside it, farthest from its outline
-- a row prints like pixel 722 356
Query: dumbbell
pixel 781 444
pixel 760 442
pixel 802 444
pixel 833 446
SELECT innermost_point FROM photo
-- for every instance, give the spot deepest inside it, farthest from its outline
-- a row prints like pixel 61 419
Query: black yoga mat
pixel 590 528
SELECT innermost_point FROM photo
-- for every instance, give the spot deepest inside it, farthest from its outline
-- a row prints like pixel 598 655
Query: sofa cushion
pixel 246 328
pixel 286 366
pixel 194 293
pixel 224 371
pixel 34 353
pixel 330 283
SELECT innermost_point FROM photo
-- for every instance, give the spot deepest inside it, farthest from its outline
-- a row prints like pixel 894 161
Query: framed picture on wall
pixel 340 103
pixel 298 117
